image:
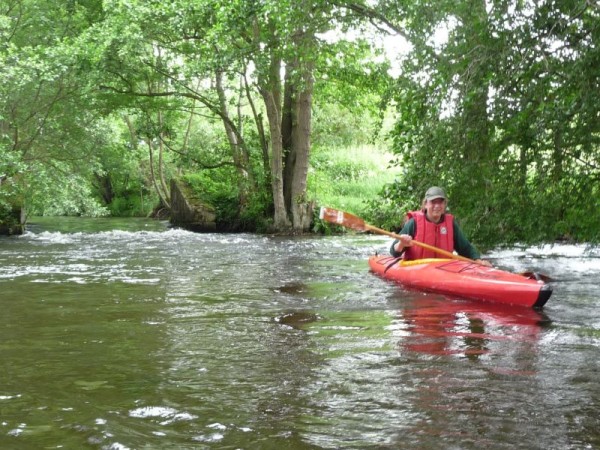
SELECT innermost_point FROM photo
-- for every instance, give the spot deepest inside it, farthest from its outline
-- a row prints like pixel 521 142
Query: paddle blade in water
pixel 537 276
pixel 342 218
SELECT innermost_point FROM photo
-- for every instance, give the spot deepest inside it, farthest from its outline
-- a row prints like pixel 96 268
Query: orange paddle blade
pixel 342 218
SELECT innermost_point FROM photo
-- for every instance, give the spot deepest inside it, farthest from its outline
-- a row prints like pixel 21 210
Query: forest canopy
pixel 106 101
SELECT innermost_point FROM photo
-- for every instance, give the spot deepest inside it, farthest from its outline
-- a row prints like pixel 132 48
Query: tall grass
pixel 349 177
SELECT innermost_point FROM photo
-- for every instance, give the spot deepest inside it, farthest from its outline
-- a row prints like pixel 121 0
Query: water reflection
pixel 473 367
pixel 436 325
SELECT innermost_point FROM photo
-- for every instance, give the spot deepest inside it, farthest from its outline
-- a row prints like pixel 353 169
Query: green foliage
pixel 504 116
pixel 215 187
pixel 58 193
pixel 335 126
pixel 121 181
pixel 348 178
pixel 47 121
pixel 133 204
pixel 257 215
pixel 9 218
pixel 503 111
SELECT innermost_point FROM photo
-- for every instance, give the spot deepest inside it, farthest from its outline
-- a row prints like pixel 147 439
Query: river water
pixel 125 334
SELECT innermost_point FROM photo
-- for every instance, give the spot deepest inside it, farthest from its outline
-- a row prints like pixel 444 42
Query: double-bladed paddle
pixel 356 223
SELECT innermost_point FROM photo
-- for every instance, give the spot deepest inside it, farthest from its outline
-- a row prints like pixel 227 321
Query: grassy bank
pixel 347 178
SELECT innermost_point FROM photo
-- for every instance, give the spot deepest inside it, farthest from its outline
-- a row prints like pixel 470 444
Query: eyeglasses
pixel 437 201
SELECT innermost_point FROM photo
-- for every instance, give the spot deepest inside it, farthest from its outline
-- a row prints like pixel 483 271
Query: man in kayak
pixel 434 226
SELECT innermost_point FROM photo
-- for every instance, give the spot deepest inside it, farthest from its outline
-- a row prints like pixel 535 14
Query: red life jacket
pixel 440 235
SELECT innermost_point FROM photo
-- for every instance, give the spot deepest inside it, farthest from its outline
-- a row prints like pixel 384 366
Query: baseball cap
pixel 435 192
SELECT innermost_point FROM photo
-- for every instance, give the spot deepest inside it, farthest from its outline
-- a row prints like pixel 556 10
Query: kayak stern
pixel 543 296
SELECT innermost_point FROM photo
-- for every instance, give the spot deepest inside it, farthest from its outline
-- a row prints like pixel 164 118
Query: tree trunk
pixel 105 187
pixel 287 126
pixel 280 218
pixel 301 211
pixel 290 128
pixel 298 103
pixel 270 90
pixel 161 172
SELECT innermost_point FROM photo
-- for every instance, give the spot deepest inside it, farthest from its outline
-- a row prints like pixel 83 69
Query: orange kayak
pixel 464 279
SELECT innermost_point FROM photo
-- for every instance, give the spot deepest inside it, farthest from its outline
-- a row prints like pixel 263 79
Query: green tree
pixel 503 111
pixel 215 60
pixel 45 117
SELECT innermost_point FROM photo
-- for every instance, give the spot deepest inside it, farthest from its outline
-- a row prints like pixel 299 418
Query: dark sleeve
pixel 462 245
pixel 408 228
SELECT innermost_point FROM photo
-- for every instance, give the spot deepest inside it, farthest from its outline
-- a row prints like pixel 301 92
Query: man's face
pixel 435 209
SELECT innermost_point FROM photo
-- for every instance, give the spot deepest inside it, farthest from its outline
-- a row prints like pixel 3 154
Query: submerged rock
pixel 296 319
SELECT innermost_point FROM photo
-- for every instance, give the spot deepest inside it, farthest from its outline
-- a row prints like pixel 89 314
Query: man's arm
pixel 408 228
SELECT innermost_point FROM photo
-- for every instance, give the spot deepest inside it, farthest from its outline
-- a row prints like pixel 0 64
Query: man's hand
pixel 405 241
